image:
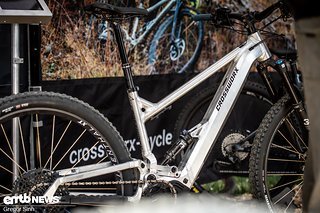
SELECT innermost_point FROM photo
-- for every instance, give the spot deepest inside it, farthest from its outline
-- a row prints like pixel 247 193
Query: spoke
pixel 69 149
pixel 4 168
pixel 297 134
pixel 295 194
pixel 286 160
pixel 293 197
pixel 82 157
pixel 283 174
pixel 7 139
pixel 290 150
pixel 1 150
pixel 52 139
pixel 289 143
pixel 103 159
pixel 5 189
pixel 23 145
pixel 38 140
pixel 60 139
pixel 187 27
pixel 276 187
pixel 287 193
pixel 3 195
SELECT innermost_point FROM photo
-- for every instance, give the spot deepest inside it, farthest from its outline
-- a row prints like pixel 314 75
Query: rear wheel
pixel 55 134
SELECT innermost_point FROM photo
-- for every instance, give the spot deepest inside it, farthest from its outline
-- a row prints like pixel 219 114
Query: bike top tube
pixel 158 4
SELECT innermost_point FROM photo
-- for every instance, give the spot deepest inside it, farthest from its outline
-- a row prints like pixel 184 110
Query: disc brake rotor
pixel 177 49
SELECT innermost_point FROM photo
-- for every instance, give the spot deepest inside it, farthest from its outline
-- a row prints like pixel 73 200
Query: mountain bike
pixel 64 152
pixel 176 43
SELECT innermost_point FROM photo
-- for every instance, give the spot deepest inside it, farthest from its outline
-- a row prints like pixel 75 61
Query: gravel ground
pixel 188 203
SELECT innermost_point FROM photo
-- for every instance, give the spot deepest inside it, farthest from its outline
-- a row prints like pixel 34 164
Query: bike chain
pixel 95 183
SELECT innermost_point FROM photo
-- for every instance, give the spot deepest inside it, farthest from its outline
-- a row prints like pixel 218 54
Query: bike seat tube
pixel 126 67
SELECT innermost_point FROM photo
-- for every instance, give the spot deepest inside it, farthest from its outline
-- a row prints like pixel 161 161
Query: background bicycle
pixel 175 41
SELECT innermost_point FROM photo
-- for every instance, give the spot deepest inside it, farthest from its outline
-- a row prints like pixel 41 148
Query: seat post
pixel 126 67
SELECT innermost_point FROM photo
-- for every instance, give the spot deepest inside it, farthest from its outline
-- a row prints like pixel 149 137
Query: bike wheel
pixel 278 157
pixel 180 55
pixel 56 133
pixel 253 102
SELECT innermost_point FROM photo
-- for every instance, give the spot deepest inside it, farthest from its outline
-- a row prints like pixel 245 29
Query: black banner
pixel 109 96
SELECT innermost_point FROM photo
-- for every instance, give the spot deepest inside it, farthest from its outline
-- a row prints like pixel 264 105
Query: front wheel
pixel 46 135
pixel 180 52
pixel 278 158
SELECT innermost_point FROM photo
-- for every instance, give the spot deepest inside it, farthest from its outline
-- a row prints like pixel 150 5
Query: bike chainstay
pixel 173 191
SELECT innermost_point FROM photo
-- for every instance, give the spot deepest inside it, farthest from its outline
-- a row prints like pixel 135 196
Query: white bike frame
pixel 206 132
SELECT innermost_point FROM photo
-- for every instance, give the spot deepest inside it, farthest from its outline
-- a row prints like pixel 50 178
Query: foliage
pixel 238 186
pixel 70 48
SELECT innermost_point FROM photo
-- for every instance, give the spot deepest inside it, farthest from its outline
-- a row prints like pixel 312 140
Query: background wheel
pixel 180 55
